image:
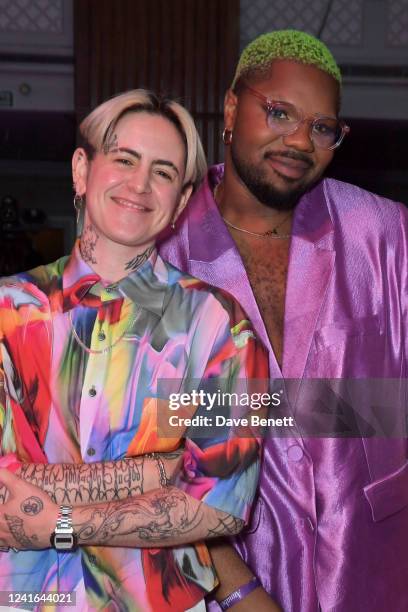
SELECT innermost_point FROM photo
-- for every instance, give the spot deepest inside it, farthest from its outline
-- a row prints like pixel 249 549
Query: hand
pixel 10 462
pixel 27 517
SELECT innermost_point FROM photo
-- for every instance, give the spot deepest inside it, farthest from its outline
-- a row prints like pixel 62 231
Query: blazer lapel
pixel 311 263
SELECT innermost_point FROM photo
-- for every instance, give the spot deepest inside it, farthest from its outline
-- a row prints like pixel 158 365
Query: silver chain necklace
pixel 107 348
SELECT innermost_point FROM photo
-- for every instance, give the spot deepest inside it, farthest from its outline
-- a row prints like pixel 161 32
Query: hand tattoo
pixel 32 505
pixel 88 242
pixel 16 527
pixel 3 494
pixel 137 261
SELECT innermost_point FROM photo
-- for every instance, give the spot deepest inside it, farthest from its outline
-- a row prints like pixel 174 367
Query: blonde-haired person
pixel 85 343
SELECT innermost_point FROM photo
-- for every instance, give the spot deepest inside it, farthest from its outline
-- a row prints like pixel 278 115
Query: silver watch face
pixel 63 541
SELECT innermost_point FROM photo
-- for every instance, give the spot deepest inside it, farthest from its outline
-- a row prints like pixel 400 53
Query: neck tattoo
pixel 87 244
pixel 137 261
pixel 272 233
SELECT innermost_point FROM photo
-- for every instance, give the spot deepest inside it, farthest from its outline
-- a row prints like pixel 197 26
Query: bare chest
pixel 266 263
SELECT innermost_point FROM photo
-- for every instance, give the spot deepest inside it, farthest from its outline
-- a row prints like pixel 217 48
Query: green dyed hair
pixel 285 44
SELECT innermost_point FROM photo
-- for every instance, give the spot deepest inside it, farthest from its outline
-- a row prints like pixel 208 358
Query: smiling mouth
pixel 130 205
pixel 288 167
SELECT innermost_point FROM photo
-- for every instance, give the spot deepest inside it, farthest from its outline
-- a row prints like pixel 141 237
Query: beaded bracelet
pixel 163 480
pixel 239 594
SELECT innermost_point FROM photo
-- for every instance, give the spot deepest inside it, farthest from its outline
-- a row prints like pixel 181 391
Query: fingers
pixel 10 462
pixel 8 478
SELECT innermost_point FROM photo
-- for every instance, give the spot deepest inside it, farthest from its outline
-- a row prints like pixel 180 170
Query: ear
pixel 80 169
pixel 184 198
pixel 230 109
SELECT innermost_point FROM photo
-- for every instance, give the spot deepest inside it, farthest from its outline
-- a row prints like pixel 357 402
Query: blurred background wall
pixel 60 58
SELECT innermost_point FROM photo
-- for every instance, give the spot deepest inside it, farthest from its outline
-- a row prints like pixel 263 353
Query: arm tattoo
pixel 3 494
pixel 85 483
pixel 227 526
pixel 88 242
pixel 16 528
pixel 164 515
pixel 137 261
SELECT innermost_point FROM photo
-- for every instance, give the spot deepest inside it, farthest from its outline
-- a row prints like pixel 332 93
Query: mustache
pixel 291 155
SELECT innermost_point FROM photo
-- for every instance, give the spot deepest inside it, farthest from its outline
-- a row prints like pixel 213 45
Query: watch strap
pixel 64 537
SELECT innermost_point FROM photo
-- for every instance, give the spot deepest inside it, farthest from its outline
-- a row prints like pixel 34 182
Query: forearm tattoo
pixel 156 517
pixel 166 517
pixel 136 262
pixel 87 245
pixel 226 526
pixel 85 483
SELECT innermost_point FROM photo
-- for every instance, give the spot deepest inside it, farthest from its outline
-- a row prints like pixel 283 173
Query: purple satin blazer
pixel 330 527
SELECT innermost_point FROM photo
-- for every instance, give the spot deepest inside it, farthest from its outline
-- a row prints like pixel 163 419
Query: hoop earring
pixel 227 136
pixel 173 226
pixel 78 202
pixel 79 205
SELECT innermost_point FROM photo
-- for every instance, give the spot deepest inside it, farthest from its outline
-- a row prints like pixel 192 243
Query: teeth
pixel 129 204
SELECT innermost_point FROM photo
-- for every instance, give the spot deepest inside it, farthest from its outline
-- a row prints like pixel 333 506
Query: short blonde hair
pixel 97 128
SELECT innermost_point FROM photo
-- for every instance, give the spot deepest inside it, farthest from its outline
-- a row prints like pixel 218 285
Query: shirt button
pixel 101 336
pixel 91 451
pixel 295 453
pixel 92 392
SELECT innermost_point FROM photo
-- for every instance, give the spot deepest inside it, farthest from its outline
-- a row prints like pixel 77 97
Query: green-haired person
pixel 320 267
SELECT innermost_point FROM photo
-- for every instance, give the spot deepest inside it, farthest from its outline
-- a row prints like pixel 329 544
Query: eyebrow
pixel 159 162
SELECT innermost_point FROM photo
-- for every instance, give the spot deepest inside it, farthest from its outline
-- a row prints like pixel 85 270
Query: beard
pixel 264 191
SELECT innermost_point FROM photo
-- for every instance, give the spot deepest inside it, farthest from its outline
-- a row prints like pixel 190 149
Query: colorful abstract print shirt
pixel 65 404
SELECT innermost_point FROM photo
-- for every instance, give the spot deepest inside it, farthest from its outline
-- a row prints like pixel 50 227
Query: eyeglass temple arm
pixel 258 95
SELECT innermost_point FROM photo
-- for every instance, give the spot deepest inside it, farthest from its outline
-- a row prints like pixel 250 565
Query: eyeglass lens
pixel 284 118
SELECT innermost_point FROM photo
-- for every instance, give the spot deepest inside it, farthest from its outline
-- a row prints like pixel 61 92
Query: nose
pixel 300 139
pixel 139 179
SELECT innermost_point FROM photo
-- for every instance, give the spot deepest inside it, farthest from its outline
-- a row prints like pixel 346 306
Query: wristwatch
pixel 64 538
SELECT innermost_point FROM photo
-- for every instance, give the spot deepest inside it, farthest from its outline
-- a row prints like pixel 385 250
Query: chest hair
pixel 266 263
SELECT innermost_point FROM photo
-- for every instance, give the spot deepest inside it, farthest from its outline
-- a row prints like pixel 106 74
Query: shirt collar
pixel 208 236
pixel 146 286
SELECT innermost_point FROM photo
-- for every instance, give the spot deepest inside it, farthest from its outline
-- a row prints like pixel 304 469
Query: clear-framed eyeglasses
pixel 284 118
